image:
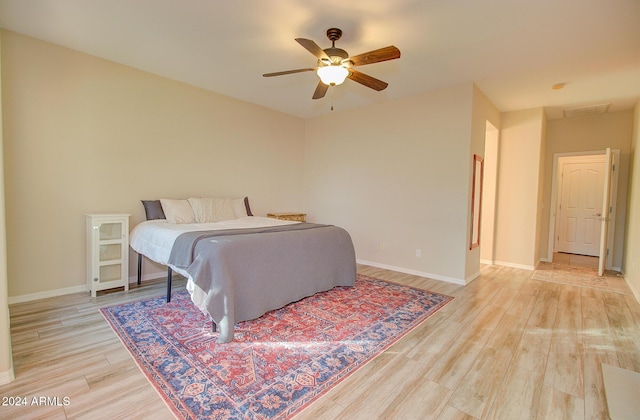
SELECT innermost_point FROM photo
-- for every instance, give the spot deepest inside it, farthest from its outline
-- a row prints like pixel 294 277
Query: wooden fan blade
pixel 321 90
pixel 313 48
pixel 368 81
pixel 281 73
pixel 375 56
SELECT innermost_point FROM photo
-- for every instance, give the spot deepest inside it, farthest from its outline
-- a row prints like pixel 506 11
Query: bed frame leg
pixel 139 269
pixel 214 327
pixel 169 273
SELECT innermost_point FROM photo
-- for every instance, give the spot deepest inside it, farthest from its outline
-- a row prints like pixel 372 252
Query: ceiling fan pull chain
pixel 332 96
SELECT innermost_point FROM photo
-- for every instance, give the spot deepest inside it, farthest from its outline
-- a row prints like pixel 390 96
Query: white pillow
pixel 238 207
pixel 208 210
pixel 177 211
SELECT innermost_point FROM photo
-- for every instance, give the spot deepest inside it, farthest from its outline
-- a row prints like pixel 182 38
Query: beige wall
pixel 631 259
pixel 84 135
pixel 87 135
pixel 397 177
pixel 483 111
pixel 518 197
pixel 489 191
pixel 540 198
pixel 587 134
pixel 6 362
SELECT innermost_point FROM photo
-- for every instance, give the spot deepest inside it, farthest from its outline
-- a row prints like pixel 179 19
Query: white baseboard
pixel 145 277
pixel 472 277
pixel 7 376
pixel 160 274
pixel 508 264
pixel 47 294
pixel 414 272
pixel 75 289
pixel 514 265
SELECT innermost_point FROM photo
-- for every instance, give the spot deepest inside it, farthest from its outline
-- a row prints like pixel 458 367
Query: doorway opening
pixel 575 260
pixel 584 184
pixel 579 208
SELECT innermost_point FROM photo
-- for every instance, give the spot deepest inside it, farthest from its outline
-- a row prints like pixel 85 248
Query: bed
pixel 239 266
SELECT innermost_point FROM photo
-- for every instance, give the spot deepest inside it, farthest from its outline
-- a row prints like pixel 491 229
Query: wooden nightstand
pixel 296 217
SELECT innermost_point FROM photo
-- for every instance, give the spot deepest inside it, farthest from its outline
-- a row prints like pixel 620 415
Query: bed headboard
pixel 153 209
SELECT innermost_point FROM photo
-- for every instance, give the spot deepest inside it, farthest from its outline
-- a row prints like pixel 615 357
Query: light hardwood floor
pixel 507 347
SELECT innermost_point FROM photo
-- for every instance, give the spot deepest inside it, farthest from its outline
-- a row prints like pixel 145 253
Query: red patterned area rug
pixel 279 363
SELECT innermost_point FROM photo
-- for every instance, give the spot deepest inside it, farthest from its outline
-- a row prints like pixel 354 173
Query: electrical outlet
pixel 418 252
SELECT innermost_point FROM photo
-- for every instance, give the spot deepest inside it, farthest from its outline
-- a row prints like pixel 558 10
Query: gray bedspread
pixel 242 274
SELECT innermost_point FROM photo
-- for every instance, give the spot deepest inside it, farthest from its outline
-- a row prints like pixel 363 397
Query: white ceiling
pixel 514 50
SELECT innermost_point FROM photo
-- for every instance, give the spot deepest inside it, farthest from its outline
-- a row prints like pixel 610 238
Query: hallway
pixel 581 271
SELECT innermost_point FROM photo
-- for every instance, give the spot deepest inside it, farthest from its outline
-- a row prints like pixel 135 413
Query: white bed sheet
pixel 155 238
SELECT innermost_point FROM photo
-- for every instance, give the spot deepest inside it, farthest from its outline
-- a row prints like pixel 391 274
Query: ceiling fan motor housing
pixel 336 55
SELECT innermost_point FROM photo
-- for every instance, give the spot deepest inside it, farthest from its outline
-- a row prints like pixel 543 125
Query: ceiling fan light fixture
pixel 332 75
pixel 334 65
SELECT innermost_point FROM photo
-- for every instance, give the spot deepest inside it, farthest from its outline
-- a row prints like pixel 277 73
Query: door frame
pixel 594 159
pixel 610 161
pixel 554 201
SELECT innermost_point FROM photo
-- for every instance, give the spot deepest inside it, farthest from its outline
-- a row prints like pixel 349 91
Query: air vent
pixel 586 110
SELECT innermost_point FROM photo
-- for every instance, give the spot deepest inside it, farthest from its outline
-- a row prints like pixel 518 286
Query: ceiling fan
pixel 335 64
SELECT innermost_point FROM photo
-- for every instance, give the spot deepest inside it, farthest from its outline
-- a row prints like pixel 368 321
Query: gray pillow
pixel 153 209
pixel 246 205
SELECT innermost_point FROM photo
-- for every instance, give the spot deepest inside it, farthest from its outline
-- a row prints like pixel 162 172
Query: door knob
pixel 598 214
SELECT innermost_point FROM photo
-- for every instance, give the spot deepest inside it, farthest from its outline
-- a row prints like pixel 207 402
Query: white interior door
pixel 581 204
pixel 606 212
